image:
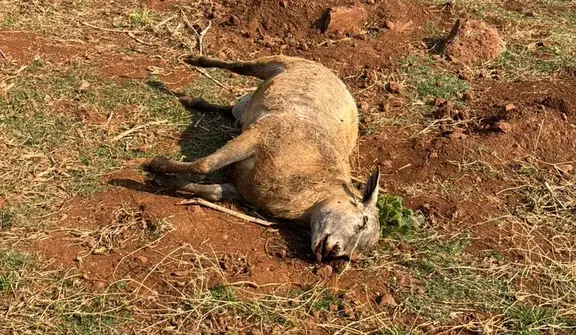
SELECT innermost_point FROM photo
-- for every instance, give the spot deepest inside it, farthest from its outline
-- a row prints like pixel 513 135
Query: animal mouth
pixel 321 248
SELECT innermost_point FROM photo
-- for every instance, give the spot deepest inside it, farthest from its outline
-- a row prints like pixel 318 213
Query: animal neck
pixel 343 191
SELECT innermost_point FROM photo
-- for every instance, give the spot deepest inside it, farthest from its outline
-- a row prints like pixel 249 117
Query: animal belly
pixel 279 196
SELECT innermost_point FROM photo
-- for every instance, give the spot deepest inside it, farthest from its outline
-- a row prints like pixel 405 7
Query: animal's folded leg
pixel 212 192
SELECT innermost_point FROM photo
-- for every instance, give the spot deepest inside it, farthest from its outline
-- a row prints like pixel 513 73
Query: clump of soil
pixel 473 41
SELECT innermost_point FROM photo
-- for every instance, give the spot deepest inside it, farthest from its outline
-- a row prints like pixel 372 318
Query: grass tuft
pixel 395 219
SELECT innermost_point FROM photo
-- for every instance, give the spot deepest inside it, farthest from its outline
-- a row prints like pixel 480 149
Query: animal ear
pixel 370 195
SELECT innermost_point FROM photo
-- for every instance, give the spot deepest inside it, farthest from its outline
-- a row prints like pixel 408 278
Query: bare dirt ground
pixel 485 150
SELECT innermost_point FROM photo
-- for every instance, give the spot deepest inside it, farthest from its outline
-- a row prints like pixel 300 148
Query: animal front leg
pixel 236 150
pixel 212 192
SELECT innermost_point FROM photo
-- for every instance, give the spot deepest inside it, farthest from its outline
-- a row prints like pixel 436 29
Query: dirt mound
pixel 472 42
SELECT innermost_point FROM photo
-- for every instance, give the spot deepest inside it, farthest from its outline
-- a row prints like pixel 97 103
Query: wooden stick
pixel 451 36
pixel 135 129
pixel 242 216
pixel 207 75
pixel 201 37
pixel 140 40
pixel 164 22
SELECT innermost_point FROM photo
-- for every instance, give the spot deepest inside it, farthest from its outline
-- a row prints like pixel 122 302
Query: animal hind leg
pixel 236 150
pixel 260 69
pixel 202 105
pixel 212 192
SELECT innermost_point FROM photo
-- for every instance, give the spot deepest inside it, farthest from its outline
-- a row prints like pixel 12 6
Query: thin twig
pixel 201 37
pixel 539 133
pixel 164 22
pixel 201 70
pixel 2 53
pixel 113 30
pixel 242 216
pixel 131 34
pixel 135 129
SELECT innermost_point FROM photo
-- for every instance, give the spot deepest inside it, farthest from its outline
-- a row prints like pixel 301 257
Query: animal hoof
pixel 194 60
pixel 160 180
pixel 158 165
pixel 190 102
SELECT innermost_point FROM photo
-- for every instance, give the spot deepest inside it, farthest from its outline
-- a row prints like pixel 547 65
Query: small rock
pixel 349 311
pixel 434 155
pixel 439 102
pixel 565 168
pixel 324 271
pixel 509 107
pixel 400 27
pixel 233 20
pixel 394 87
pixel 304 47
pixel 386 299
pixel 180 273
pixel 464 76
pixel 256 332
pixel 344 19
pixel 316 315
pixel 389 24
pixel 467 96
pixel 363 106
pixel 141 259
pixel 505 127
pixel 384 107
pixel 457 134
pixel 386 164
pixel 445 110
pixel 84 85
pixel 283 3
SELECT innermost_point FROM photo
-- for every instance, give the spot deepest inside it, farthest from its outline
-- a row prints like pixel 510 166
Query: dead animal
pixel 292 158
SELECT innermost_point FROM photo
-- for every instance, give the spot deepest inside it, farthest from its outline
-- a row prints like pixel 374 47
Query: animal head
pixel 343 227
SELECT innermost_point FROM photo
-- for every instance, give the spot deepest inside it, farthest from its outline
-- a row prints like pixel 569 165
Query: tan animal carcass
pixel 292 158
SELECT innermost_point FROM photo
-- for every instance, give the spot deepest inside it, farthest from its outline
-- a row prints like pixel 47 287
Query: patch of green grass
pixel 395 219
pixel 325 301
pixel 223 293
pixel 86 324
pixel 450 280
pixel 49 115
pixel 7 22
pixel 6 218
pixel 144 18
pixel 528 320
pixel 430 81
pixel 10 262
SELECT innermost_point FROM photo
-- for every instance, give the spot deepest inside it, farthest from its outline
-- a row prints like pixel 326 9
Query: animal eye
pixel 364 223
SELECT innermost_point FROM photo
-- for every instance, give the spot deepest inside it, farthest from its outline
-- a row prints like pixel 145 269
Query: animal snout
pixel 331 247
